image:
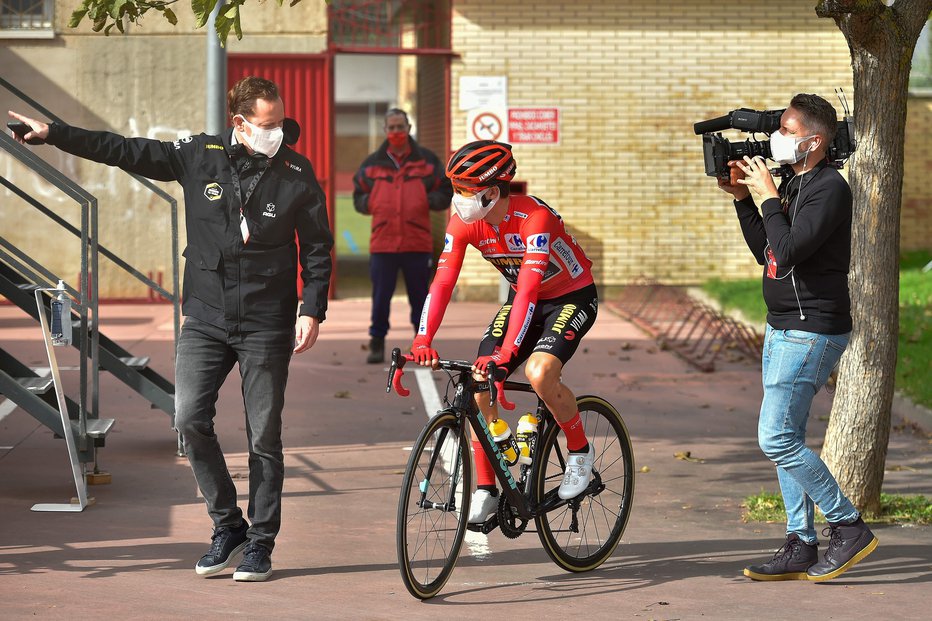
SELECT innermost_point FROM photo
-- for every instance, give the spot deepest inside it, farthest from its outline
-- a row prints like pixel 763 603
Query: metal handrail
pixel 174 296
pixel 87 294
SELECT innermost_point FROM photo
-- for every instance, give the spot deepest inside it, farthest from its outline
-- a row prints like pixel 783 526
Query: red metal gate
pixel 305 82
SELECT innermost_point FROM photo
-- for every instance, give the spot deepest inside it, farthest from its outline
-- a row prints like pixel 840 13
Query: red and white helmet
pixel 481 164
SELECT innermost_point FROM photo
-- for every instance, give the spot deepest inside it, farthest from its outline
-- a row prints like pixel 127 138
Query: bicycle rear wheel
pixel 583 539
pixel 434 505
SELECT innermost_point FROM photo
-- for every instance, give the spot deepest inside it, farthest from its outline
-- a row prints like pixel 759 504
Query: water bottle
pixel 526 434
pixel 61 317
pixel 502 435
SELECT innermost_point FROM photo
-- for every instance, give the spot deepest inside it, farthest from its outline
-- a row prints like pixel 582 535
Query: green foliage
pixel 109 14
pixel 894 508
pixel 914 357
pixel 741 295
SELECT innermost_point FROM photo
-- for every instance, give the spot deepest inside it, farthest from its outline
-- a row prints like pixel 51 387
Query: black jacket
pixel 809 232
pixel 235 286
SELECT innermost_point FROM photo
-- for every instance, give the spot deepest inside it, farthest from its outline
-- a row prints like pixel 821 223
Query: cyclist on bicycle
pixel 552 303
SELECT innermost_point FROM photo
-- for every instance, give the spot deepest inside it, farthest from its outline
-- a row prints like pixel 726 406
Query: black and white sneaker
pixel 256 565
pixel 225 544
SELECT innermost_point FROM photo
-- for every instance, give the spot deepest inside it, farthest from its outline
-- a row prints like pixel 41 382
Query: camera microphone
pixel 713 125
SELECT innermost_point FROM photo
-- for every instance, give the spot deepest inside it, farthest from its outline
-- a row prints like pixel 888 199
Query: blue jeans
pixel 383 270
pixel 206 355
pixel 796 365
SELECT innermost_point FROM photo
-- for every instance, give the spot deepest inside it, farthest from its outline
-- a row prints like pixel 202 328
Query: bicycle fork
pixel 448 462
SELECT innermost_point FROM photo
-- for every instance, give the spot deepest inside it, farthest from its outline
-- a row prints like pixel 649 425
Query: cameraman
pixel 803 238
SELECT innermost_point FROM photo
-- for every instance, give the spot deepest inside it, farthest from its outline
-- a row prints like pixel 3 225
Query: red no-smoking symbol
pixel 486 126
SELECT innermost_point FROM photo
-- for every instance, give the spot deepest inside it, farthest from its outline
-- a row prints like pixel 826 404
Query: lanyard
pixel 244 229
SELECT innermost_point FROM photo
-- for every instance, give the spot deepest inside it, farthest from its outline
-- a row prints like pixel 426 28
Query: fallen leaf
pixel 342 394
pixel 645 469
pixel 687 456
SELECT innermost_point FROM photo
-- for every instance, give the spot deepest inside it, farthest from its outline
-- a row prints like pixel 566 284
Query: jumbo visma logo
pixel 213 191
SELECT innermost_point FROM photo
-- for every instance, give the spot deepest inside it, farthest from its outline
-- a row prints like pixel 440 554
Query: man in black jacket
pixel 246 196
pixel 803 238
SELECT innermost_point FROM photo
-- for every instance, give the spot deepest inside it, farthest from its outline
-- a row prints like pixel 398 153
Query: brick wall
pixel 916 215
pixel 630 79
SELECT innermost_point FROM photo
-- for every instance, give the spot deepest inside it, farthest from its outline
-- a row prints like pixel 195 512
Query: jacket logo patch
pixel 218 147
pixel 292 166
pixel 269 210
pixel 213 191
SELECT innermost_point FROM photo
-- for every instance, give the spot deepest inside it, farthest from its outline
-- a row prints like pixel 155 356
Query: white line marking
pixel 477 543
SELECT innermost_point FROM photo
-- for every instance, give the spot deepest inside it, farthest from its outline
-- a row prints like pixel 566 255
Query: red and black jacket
pixel 399 198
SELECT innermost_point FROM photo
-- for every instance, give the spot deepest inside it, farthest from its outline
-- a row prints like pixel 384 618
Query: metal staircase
pixel 24 281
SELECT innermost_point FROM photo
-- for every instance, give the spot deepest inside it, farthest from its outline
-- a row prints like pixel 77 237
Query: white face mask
pixel 470 209
pixel 785 149
pixel 264 141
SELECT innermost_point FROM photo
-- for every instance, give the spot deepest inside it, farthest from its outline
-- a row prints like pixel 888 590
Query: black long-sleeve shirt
pixel 804 241
pixel 233 285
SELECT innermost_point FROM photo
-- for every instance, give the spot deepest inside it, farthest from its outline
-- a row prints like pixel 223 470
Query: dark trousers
pixel 205 356
pixel 383 270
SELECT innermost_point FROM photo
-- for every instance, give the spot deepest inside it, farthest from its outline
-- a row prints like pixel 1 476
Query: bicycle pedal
pixel 485 527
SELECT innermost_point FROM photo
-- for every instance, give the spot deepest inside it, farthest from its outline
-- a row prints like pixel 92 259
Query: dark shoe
pixel 848 545
pixel 225 544
pixel 789 563
pixel 376 350
pixel 256 565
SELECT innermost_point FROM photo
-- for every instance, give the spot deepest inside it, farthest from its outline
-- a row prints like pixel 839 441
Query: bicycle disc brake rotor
pixel 509 521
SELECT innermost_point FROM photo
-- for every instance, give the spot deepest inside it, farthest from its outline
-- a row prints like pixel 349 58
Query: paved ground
pixel 133 552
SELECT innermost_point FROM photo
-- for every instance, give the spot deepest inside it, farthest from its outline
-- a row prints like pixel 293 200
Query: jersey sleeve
pixel 455 242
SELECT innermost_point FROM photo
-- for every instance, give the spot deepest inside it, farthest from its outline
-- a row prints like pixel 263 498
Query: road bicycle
pixel 578 534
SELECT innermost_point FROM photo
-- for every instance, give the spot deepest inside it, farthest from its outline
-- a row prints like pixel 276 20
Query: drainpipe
pixel 216 77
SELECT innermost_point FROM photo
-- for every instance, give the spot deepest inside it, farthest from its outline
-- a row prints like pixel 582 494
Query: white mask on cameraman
pixel 785 149
pixel 470 209
pixel 264 141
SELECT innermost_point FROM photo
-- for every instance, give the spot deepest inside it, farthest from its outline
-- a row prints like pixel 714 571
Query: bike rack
pixel 696 332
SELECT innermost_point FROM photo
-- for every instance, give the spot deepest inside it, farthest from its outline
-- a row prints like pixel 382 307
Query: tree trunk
pixel 881 40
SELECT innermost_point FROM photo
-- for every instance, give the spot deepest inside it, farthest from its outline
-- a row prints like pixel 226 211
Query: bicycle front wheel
pixel 579 535
pixel 434 505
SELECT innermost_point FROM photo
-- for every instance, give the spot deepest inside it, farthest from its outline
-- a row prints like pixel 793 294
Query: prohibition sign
pixel 486 126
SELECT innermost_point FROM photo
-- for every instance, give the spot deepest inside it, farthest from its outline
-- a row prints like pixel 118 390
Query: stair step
pixel 27 286
pixel 35 385
pixel 99 427
pixel 135 362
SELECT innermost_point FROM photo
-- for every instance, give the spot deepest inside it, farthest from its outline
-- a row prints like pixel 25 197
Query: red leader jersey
pixel 532 250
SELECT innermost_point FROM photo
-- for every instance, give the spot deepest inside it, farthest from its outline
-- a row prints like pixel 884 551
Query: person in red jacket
pixel 552 304
pixel 398 186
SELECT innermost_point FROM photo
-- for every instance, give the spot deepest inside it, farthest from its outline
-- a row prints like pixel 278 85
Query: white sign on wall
pixel 483 92
pixel 487 124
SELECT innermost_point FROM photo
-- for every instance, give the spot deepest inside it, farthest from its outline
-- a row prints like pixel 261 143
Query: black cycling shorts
pixel 556 328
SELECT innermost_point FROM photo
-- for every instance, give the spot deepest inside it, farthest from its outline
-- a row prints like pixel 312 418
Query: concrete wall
pixel 149 82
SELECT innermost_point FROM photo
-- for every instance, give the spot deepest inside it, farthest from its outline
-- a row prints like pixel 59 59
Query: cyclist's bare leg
pixel 543 373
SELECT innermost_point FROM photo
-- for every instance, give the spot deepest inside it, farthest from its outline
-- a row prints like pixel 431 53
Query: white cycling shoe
pixel 482 505
pixel 577 474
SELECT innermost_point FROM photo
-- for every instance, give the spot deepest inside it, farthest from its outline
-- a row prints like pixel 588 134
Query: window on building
pixel 25 16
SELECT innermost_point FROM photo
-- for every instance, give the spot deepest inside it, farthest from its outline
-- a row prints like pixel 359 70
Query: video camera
pixel 717 151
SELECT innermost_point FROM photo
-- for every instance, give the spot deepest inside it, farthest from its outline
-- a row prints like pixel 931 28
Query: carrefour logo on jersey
pixel 539 242
pixel 447 243
pixel 514 243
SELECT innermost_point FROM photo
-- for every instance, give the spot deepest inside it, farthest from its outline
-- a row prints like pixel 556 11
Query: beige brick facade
pixel 630 79
pixel 916 215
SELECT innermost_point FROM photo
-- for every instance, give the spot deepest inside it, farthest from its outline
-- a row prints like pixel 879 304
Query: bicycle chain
pixel 511 525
